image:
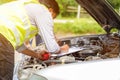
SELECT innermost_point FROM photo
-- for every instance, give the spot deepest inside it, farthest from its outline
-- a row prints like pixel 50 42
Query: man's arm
pixel 41 55
pixel 30 53
pixel 42 18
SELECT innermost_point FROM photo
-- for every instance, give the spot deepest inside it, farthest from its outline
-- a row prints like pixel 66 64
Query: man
pixel 20 21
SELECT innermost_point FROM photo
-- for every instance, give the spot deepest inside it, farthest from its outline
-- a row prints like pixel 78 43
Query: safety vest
pixel 14 22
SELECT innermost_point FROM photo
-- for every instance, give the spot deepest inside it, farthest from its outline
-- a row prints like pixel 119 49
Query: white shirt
pixel 40 17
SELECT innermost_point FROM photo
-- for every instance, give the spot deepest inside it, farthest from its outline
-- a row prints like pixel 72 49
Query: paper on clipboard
pixel 71 50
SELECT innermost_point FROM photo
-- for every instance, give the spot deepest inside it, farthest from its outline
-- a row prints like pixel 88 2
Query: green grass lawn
pixel 78 26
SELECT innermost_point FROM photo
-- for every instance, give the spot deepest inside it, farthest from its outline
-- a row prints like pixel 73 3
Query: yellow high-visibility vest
pixel 5 1
pixel 15 24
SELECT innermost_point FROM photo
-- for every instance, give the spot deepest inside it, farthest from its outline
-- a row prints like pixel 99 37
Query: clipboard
pixel 70 51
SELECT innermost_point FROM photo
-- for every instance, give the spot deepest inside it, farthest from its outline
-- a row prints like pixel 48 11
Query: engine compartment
pixel 104 44
pixel 94 47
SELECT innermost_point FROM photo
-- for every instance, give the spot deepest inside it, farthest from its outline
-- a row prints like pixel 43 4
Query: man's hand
pixel 64 48
pixel 43 55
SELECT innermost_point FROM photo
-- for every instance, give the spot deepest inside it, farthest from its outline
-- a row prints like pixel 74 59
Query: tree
pixel 64 4
pixel 115 3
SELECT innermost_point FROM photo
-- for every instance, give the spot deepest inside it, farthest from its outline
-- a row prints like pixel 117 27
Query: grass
pixel 78 26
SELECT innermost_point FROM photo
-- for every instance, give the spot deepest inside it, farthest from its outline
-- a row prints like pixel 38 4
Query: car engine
pixel 93 47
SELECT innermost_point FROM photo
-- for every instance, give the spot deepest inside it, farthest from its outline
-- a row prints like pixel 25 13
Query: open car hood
pixel 102 12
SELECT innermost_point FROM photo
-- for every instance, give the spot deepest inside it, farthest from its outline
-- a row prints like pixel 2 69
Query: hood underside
pixel 102 12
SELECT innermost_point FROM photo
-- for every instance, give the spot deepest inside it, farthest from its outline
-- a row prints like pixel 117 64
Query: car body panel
pixel 91 70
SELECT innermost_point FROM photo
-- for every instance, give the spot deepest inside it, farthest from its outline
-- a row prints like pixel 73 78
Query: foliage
pixel 63 4
pixel 115 3
pixel 79 26
pixel 5 1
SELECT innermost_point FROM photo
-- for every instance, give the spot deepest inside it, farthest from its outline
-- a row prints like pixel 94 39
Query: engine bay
pixel 92 47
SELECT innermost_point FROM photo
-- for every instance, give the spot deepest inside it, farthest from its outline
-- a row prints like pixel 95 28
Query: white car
pixel 93 57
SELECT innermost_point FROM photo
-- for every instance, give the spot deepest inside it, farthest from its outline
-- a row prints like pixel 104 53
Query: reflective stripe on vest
pixel 14 23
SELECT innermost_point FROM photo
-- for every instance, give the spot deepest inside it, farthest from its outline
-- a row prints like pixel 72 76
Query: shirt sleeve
pixel 41 18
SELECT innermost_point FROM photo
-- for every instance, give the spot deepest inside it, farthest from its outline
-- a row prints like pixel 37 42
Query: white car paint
pixel 91 70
